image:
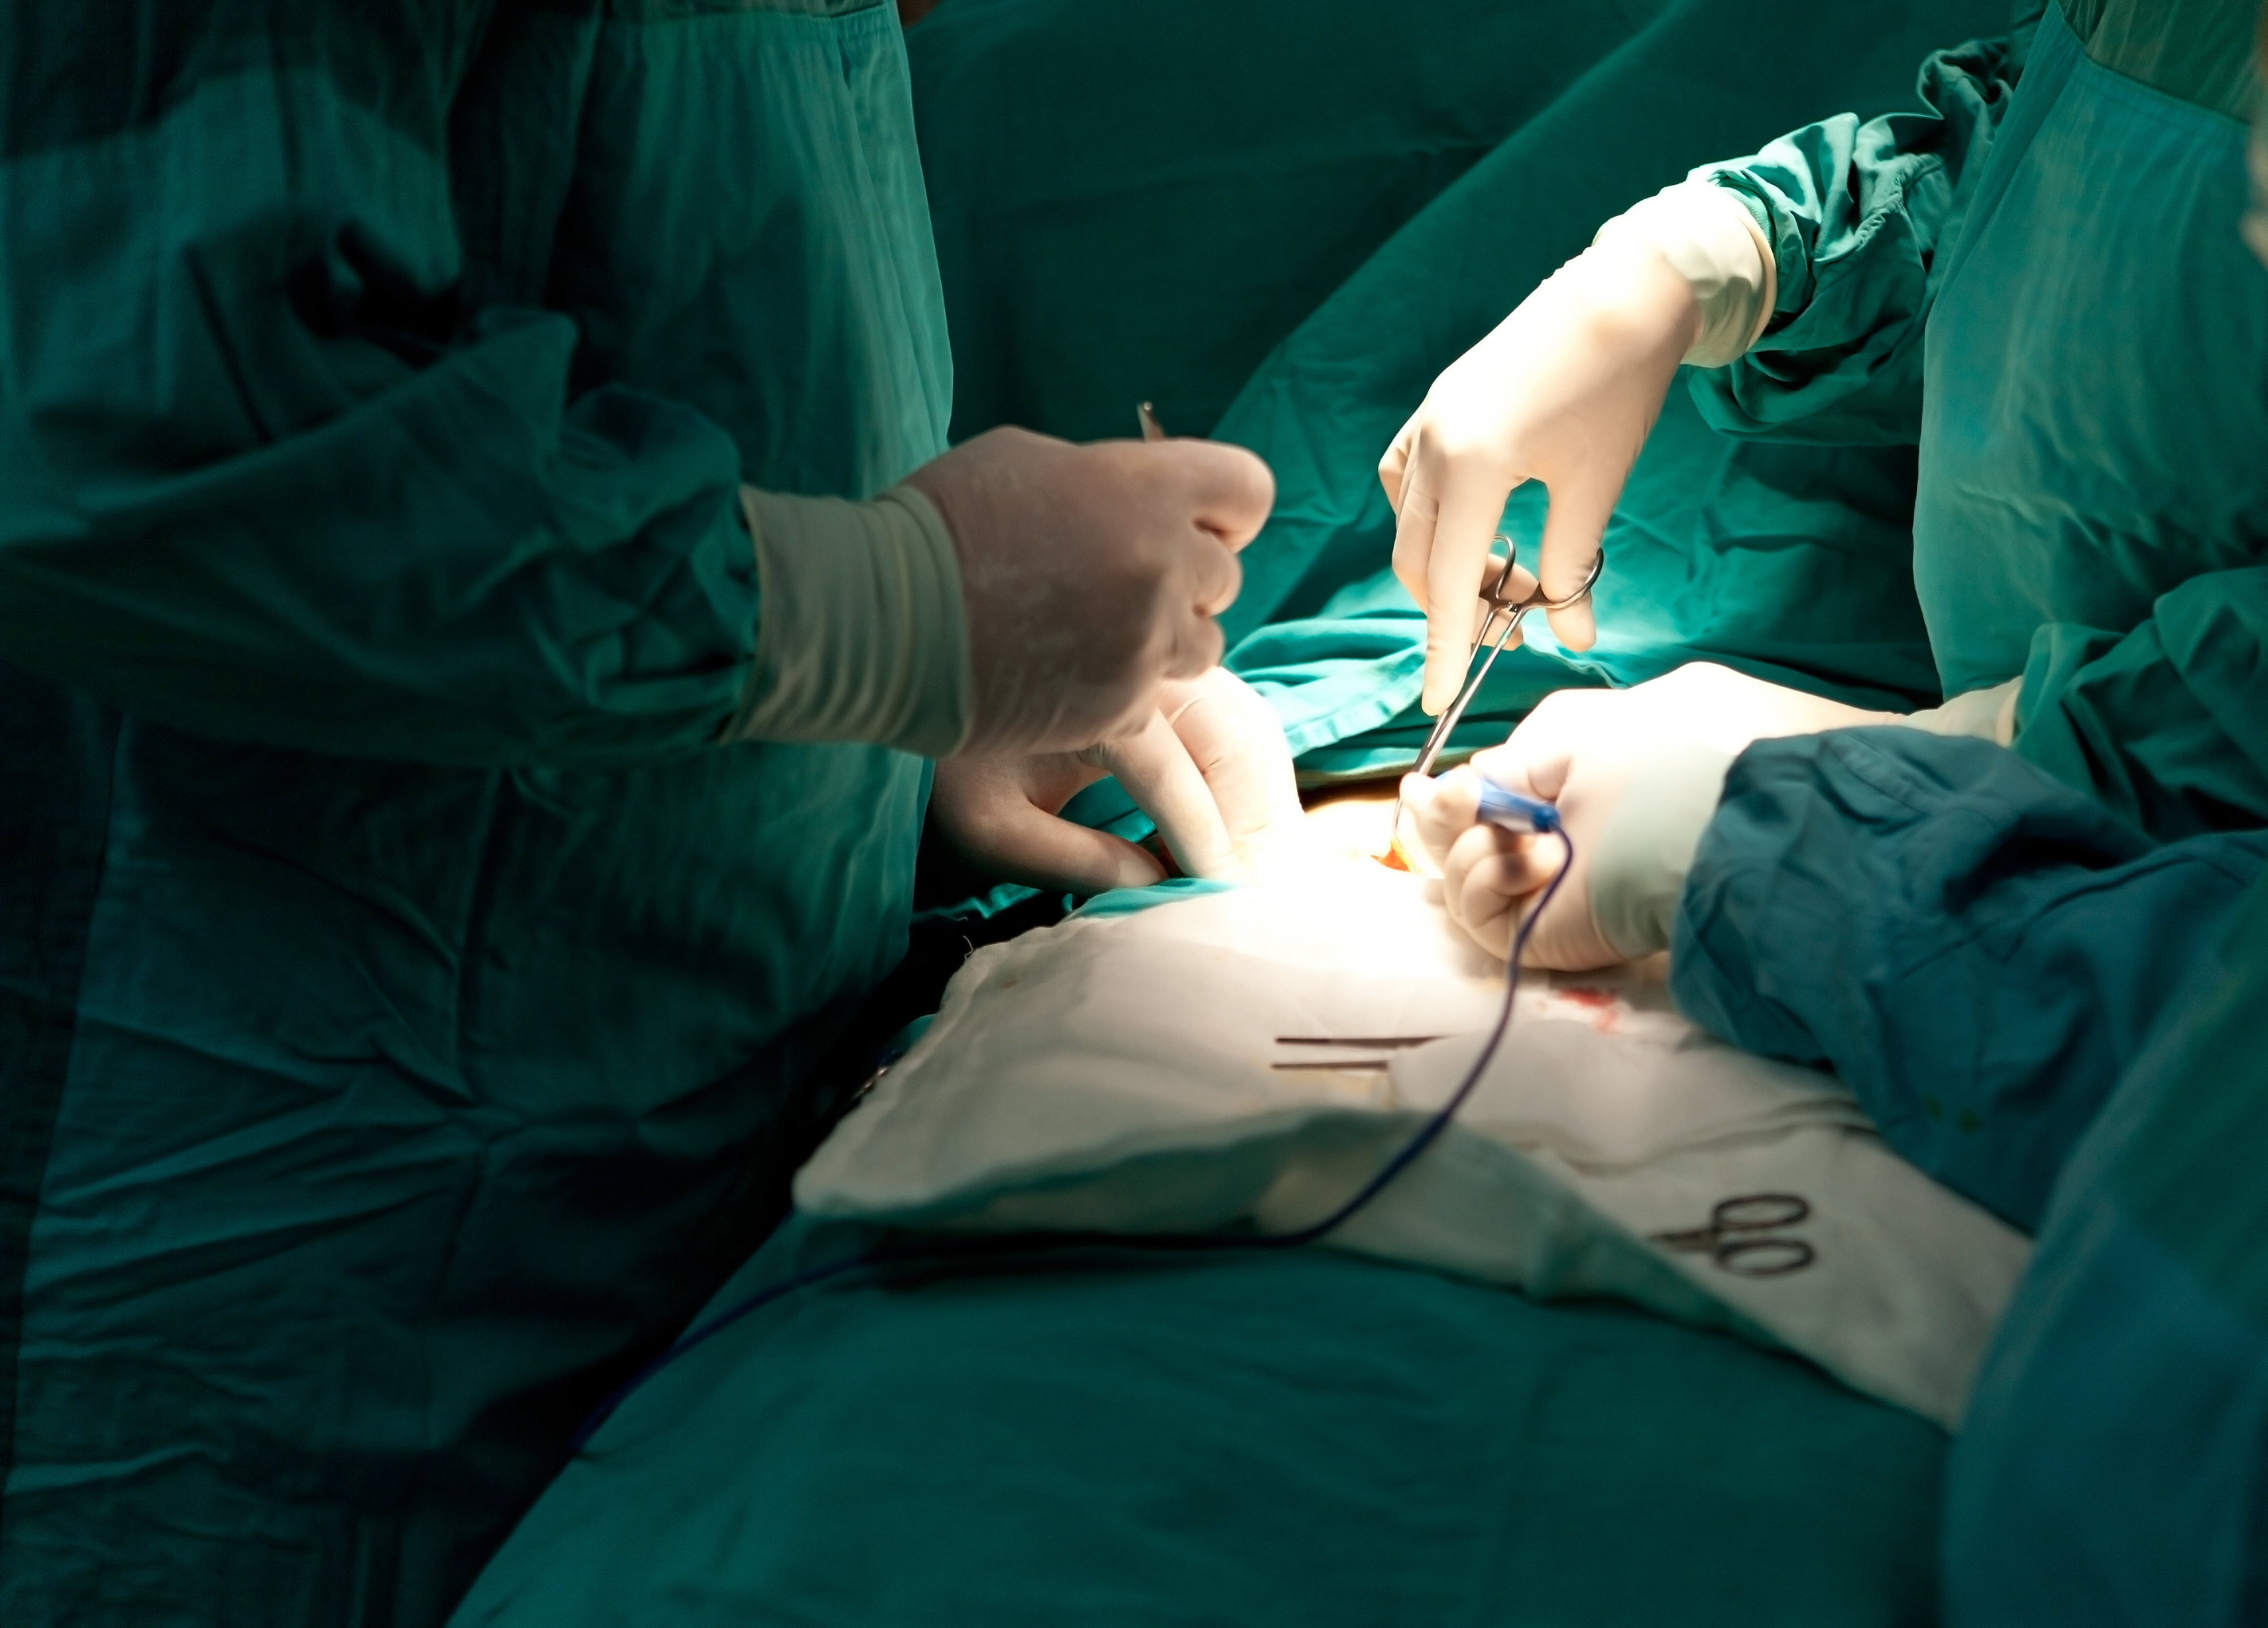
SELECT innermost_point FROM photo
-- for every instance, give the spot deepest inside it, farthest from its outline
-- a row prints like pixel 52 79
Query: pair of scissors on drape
pixel 1744 1235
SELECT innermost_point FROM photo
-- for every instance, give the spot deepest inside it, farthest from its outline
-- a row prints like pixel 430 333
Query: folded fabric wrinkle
pixel 938 1251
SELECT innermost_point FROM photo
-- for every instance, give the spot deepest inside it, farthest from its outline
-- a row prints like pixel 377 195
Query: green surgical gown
pixel 2044 282
pixel 2060 263
pixel 1281 224
pixel 1790 561
pixel 407 1014
pixel 2109 1470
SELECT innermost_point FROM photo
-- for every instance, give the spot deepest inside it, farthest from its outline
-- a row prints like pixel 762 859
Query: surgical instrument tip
pixel 1151 430
pixel 1500 603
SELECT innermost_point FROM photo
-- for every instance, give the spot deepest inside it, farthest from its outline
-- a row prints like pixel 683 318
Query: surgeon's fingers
pixel 1395 463
pixel 985 809
pixel 1189 640
pixel 1482 884
pixel 1442 810
pixel 1233 737
pixel 1573 528
pixel 1518 863
pixel 1496 879
pixel 1562 722
pixel 1214 576
pixel 1415 540
pixel 1545 772
pixel 1230 490
pixel 1522 586
pixel 1413 528
pixel 1471 506
pixel 1195 645
pixel 1226 493
pixel 1156 771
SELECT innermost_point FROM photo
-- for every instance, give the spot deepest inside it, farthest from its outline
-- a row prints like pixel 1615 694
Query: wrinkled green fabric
pixel 2093 506
pixel 2110 1471
pixel 1371 209
pixel 1978 951
pixel 1790 563
pixel 1306 1439
pixel 2015 975
pixel 2194 1179
pixel 1137 202
pixel 2194 53
pixel 2097 364
pixel 1975 949
pixel 1860 214
pixel 405 1017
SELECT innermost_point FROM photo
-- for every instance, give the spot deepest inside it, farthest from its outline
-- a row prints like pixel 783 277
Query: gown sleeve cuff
pixel 864 635
pixel 1981 714
pixel 1716 245
pixel 1638 870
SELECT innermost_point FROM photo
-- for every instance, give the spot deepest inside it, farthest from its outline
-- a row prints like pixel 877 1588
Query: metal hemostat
pixel 1353 1043
pixel 1500 604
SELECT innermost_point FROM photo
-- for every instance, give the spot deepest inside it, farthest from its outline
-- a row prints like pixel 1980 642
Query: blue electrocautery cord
pixel 1497 807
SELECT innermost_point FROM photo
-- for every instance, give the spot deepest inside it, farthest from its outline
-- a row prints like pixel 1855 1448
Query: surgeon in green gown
pixel 1978 914
pixel 480 581
pixel 2109 1471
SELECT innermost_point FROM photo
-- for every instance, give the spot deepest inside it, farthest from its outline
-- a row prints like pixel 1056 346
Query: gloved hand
pixel 1631 773
pixel 1564 391
pixel 1090 576
pixel 1492 878
pixel 1210 765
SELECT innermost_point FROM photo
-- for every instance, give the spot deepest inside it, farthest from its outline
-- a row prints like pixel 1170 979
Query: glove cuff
pixel 1715 244
pixel 865 635
pixel 1638 870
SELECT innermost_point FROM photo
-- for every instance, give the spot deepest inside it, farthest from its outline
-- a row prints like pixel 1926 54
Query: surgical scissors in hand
pixel 1501 603
pixel 1741 1235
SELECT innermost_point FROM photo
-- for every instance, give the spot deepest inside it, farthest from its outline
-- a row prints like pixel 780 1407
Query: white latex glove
pixel 1564 391
pixel 1210 765
pixel 1491 879
pixel 1090 576
pixel 1700 701
pixel 1583 749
